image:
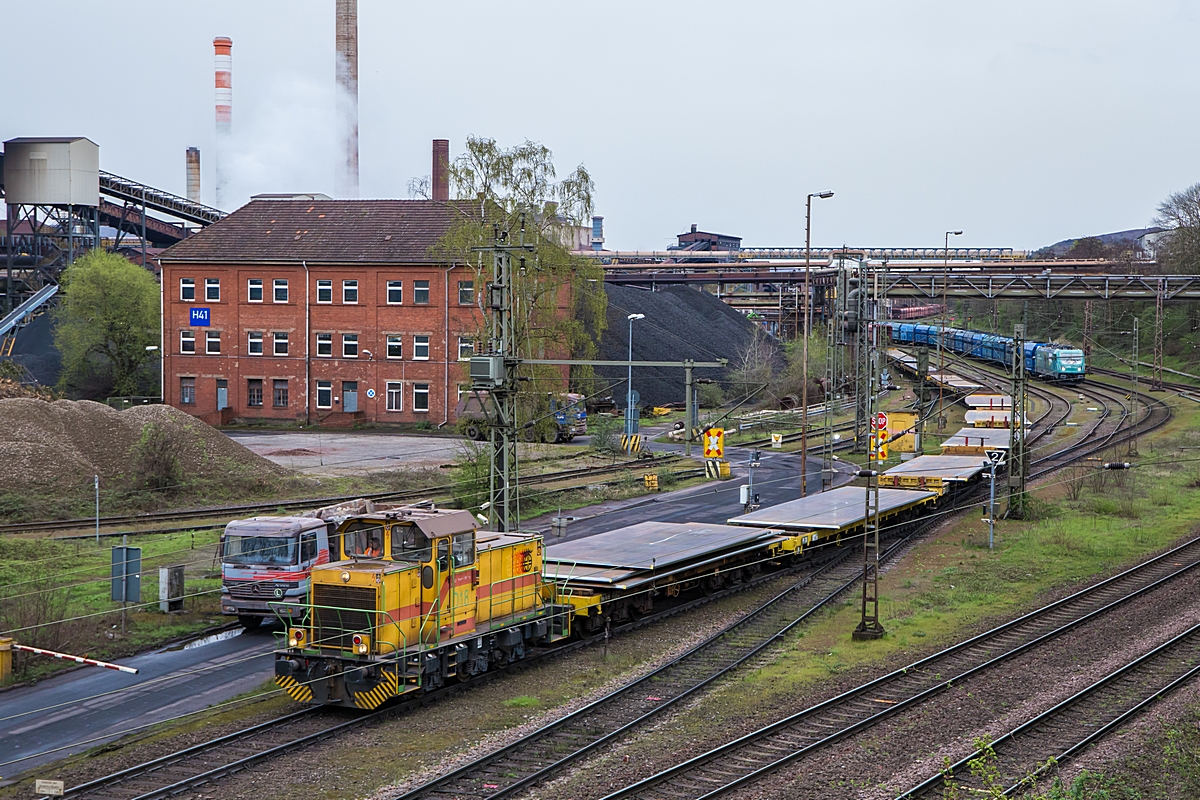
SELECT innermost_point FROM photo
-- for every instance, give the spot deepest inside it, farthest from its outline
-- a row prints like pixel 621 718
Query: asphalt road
pixel 776 481
pixel 70 713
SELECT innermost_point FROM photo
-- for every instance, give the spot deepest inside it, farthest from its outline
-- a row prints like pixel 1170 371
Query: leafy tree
pixel 560 296
pixel 1179 250
pixel 109 315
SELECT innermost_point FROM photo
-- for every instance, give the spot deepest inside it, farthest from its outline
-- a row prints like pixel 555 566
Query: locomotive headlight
pixel 296 637
pixel 361 642
pixel 345 577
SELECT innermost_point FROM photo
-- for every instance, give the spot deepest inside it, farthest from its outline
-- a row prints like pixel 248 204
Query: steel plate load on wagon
pixel 832 515
pixel 942 474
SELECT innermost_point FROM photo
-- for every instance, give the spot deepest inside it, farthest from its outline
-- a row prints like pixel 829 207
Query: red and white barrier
pixel 77 659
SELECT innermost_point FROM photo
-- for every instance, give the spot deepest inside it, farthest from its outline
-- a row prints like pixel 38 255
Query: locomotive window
pixel 443 554
pixel 363 540
pixel 409 544
pixel 464 549
pixel 308 547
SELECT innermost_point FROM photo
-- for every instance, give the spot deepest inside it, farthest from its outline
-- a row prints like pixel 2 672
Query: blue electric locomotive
pixel 1049 362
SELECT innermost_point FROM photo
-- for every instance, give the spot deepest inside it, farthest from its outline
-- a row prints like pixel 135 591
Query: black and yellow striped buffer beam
pixel 385 690
pixel 294 688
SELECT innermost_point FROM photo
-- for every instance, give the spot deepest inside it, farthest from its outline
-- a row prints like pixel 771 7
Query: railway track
pixel 1021 755
pixel 508 771
pixel 541 754
pixel 205 763
pixel 752 757
pixel 533 758
pixel 249 509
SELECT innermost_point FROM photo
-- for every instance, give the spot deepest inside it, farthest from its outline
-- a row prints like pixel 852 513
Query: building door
pixel 222 394
pixel 350 396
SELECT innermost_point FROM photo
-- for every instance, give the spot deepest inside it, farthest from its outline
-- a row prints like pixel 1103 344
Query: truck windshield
pixel 265 550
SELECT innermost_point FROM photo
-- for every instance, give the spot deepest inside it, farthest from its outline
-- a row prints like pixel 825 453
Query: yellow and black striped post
pixel 631 443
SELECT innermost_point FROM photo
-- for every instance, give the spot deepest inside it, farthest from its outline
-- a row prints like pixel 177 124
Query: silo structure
pixel 346 75
pixel 52 194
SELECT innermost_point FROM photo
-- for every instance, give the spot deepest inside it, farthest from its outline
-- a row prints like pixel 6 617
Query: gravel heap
pixel 66 442
pixel 680 323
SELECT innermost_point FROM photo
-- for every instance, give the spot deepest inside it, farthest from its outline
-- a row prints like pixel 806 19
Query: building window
pixel 281 343
pixel 281 291
pixel 349 345
pixel 395 396
pixel 187 391
pixel 325 344
pixel 421 348
pixel 324 291
pixel 420 397
pixel 254 345
pixel 421 292
pixel 280 396
pixel 350 293
pixel 212 290
pixel 466 348
pixel 395 345
pixel 324 394
pixel 466 293
pixel 254 392
pixel 187 341
pixel 254 289
pixel 395 292
pixel 187 289
pixel 212 343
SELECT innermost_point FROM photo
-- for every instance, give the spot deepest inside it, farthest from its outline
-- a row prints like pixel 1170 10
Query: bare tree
pixel 1179 250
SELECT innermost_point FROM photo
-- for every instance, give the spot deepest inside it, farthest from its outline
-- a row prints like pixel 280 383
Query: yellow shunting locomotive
pixel 420 596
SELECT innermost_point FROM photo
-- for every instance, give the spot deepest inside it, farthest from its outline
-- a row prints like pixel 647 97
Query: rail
pixel 1088 715
pixel 752 757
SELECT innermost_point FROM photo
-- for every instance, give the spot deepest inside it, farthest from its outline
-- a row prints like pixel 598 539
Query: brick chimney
pixel 440 188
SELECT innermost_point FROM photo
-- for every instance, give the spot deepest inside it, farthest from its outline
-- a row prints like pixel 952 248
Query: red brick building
pixel 318 311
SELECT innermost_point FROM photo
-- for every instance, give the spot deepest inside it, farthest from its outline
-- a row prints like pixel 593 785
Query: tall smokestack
pixel 193 174
pixel 223 59
pixel 441 161
pixel 346 179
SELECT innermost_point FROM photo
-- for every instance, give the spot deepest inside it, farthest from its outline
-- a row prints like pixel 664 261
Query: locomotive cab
pixel 419 597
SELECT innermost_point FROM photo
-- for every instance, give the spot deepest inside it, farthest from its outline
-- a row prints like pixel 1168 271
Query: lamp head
pixel 632 317
pixel 954 233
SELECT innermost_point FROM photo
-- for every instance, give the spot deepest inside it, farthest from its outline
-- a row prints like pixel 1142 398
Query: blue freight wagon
pixel 1049 362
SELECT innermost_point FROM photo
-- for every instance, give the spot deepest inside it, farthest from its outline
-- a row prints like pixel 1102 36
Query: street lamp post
pixel 807 333
pixel 945 313
pixel 629 431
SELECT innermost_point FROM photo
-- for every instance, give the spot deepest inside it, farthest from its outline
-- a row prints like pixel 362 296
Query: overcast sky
pixel 1020 122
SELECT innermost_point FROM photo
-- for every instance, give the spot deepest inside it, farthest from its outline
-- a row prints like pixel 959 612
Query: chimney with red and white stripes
pixel 223 60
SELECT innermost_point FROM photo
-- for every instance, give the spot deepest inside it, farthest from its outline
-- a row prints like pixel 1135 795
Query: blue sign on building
pixel 201 317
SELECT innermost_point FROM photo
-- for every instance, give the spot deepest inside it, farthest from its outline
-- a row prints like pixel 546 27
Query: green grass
pixel 67 583
pixel 950 586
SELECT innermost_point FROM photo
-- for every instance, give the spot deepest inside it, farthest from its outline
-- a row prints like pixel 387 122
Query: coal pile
pixel 34 350
pixel 64 443
pixel 680 323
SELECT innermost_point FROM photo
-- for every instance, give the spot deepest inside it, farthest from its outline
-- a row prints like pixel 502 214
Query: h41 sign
pixel 200 317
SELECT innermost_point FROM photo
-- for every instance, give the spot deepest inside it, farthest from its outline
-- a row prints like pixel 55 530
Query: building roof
pixel 322 231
